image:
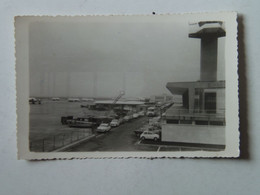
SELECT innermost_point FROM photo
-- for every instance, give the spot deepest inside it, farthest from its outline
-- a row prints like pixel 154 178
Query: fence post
pixel 77 135
pixel 43 145
pixel 63 139
pixel 54 142
pixel 71 135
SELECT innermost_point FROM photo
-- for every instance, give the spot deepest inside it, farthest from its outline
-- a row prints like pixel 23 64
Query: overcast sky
pixel 99 56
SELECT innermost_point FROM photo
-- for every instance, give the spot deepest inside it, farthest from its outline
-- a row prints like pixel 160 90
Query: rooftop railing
pixel 183 113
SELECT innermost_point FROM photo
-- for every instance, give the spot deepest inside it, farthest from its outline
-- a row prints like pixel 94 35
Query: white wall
pixel 198 134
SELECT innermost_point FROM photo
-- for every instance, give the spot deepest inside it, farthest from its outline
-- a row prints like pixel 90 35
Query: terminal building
pixel 200 119
pixel 161 98
pixel 121 105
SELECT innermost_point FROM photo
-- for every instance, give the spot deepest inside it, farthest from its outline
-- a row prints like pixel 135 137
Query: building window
pixel 210 102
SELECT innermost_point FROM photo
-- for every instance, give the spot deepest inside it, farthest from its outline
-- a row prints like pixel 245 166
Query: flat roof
pixel 181 87
pixel 119 102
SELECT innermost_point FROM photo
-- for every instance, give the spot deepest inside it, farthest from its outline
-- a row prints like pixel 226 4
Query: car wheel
pixel 142 138
pixel 155 139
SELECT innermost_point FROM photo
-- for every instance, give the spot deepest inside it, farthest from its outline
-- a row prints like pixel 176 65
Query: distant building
pixel 161 98
pixel 123 105
pixel 200 119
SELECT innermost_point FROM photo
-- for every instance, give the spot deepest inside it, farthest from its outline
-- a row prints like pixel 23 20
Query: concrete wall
pixel 208 59
pixel 194 134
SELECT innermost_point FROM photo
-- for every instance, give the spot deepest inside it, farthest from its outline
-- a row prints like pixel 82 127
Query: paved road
pixel 121 138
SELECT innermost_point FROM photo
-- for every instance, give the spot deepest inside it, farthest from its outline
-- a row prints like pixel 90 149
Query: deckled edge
pixel 217 156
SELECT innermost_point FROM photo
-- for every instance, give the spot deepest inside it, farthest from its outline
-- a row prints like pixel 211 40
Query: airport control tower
pixel 208 32
pixel 201 117
pixel 203 96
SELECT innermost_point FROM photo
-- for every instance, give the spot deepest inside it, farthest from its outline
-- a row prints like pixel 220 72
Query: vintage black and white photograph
pixel 103 86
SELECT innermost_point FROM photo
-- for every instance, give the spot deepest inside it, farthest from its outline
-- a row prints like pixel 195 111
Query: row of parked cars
pixel 105 127
pixel 133 116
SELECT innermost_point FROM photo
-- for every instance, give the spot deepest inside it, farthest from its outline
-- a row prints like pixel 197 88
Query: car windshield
pixel 104 125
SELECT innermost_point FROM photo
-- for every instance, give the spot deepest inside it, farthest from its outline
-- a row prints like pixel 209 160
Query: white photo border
pixel 232 101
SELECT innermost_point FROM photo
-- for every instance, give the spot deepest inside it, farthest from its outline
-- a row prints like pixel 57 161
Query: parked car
pixel 130 117
pixel 34 101
pixel 135 115
pixel 138 132
pixel 141 113
pixel 126 118
pixel 103 127
pixel 121 120
pixel 115 123
pixel 149 135
pixel 151 112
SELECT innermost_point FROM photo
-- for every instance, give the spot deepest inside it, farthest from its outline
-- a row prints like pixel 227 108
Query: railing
pixel 182 115
pixel 54 142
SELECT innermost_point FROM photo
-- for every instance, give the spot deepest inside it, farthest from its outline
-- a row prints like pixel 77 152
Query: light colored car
pixel 149 135
pixel 141 113
pixel 135 115
pixel 151 112
pixel 115 123
pixel 103 127
pixel 126 118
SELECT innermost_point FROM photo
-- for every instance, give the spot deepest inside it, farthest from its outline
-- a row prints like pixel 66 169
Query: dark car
pixel 34 101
